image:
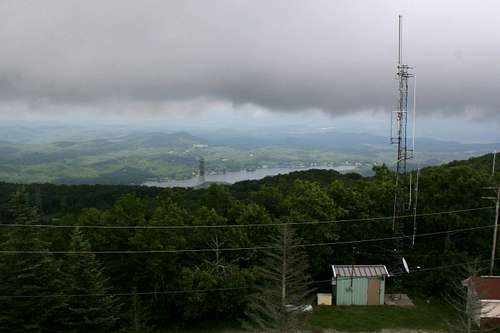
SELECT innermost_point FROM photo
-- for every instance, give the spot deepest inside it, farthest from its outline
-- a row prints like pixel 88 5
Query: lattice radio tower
pixel 399 125
pixel 201 171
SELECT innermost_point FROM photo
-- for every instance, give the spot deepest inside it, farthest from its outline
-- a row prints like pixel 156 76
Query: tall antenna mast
pixel 399 125
pixel 400 38
pixel 201 171
pixel 494 162
pixel 400 116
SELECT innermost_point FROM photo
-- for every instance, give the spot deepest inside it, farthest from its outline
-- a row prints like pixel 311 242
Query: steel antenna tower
pixel 201 171
pixel 399 125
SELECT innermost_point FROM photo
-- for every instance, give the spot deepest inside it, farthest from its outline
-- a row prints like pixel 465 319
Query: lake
pixel 237 176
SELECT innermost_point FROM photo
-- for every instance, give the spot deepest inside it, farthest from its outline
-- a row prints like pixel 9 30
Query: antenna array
pixel 201 171
pixel 405 151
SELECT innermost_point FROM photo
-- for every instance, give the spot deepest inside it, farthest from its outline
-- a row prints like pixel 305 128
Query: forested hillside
pixel 132 156
pixel 162 258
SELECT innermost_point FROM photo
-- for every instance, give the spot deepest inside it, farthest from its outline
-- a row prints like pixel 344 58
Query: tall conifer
pixel 90 307
pixel 29 281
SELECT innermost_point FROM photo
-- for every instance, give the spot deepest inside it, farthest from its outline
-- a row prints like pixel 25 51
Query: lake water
pixel 237 176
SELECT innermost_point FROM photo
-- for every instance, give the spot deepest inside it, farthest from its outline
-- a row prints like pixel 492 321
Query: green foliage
pixel 27 275
pixel 283 286
pixel 309 197
pixel 139 157
pixel 271 198
pixel 84 275
pixel 213 304
pixel 424 316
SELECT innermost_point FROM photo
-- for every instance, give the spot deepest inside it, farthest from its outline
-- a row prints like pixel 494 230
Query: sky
pixel 251 63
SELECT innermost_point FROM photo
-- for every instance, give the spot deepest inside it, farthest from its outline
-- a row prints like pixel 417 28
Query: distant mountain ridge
pixel 338 140
pixel 134 157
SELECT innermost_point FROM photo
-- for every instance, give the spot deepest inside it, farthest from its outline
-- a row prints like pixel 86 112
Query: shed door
pixel 373 291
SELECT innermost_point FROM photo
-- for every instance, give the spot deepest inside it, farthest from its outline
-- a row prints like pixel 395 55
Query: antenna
pixel 405 265
pixel 494 161
pixel 414 131
pixel 201 171
pixel 415 210
pixel 399 126
pixel 410 191
pixel 400 41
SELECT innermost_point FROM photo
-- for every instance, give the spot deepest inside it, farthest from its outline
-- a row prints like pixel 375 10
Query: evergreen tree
pixel 285 286
pixel 97 312
pixel 28 281
pixel 38 203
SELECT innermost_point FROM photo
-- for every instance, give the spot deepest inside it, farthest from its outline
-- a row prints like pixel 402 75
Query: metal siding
pixel 358 295
pixel 361 291
pixel 359 270
pixel 340 294
pixel 382 291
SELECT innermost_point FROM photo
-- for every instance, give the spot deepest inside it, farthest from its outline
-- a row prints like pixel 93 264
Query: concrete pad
pixel 398 300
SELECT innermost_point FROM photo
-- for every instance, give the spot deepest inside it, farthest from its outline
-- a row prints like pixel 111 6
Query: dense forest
pixel 149 258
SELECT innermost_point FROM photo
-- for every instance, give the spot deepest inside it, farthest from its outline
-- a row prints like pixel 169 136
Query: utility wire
pixel 167 292
pixel 258 225
pixel 435 268
pixel 428 269
pixel 242 248
pixel 399 237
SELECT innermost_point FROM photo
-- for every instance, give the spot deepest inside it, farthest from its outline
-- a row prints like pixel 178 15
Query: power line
pixel 126 294
pixel 435 268
pixel 428 269
pixel 167 292
pixel 240 248
pixel 399 237
pixel 258 225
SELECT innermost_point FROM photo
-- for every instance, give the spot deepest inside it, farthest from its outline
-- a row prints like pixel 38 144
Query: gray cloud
pixel 338 56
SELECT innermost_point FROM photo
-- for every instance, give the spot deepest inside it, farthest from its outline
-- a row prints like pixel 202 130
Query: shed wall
pixel 382 291
pixel 355 295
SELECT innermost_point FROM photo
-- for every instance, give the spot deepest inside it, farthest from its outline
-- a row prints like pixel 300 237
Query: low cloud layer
pixel 336 56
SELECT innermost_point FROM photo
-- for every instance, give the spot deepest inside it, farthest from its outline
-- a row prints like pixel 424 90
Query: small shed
pixel 359 284
pixel 485 291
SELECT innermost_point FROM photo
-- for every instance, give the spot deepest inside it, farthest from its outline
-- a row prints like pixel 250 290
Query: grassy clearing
pixel 209 327
pixel 426 316
pixel 433 316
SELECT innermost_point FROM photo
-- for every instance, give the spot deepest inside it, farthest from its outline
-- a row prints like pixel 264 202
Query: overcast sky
pixel 147 58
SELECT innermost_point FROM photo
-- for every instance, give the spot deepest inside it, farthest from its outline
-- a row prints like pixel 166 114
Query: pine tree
pixel 285 286
pixel 97 311
pixel 28 281
pixel 38 203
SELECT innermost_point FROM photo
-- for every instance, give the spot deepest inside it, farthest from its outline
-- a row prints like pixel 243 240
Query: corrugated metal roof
pixel 359 271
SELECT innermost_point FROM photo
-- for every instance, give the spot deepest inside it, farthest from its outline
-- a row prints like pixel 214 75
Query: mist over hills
pixel 337 140
pixel 121 155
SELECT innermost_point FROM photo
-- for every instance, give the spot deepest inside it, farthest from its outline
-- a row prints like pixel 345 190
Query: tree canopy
pixel 162 258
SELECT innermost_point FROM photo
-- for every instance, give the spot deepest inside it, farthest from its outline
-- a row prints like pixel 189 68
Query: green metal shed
pixel 359 284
